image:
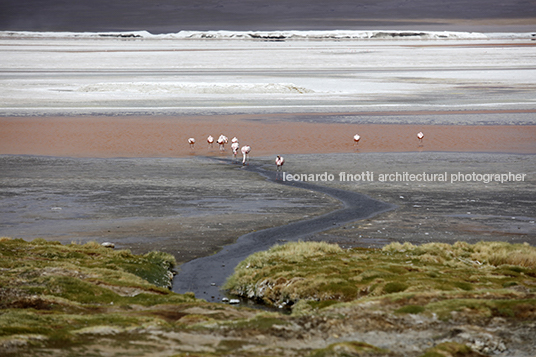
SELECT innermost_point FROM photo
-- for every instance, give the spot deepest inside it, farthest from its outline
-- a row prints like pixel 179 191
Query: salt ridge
pixel 196 88
pixel 271 35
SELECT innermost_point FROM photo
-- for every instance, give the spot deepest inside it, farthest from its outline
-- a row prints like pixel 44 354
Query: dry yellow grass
pixel 492 253
pixel 321 272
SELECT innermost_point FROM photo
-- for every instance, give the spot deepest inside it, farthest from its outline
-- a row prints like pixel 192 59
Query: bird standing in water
pixel 246 149
pixel 222 140
pixel 420 136
pixel 235 146
pixel 356 139
pixel 279 161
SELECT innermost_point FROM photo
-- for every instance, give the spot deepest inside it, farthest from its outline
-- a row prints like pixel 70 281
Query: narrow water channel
pixel 205 276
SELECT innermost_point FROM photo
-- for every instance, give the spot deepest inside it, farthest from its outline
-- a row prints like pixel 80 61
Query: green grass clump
pixel 152 267
pixel 486 273
pixel 75 297
pixel 53 290
pixel 79 274
pixel 394 287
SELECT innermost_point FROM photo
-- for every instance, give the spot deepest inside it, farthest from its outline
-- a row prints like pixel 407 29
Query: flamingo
pixel 234 140
pixel 279 161
pixel 420 136
pixel 210 141
pixel 245 152
pixel 235 146
pixel 191 141
pixel 222 140
pixel 356 139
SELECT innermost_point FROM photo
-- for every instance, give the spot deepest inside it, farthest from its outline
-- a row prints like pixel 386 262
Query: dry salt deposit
pixel 302 72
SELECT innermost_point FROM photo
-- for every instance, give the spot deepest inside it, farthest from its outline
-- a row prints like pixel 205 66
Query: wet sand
pixel 107 137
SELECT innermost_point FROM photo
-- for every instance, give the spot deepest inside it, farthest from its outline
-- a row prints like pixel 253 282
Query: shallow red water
pixel 168 136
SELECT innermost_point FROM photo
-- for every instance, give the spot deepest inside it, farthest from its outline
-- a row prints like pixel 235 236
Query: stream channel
pixel 205 276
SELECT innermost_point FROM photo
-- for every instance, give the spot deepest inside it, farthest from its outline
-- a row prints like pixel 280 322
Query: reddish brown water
pixel 168 136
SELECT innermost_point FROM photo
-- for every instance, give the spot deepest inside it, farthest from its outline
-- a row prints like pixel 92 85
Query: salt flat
pixel 88 74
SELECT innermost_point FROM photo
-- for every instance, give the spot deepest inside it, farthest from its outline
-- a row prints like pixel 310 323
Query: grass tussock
pixel 90 260
pixel 80 289
pixel 292 253
pixel 492 253
pixel 500 277
pixel 92 295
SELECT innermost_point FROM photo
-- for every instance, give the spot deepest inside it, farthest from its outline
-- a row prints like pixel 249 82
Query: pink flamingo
pixel 279 161
pixel 245 153
pixel 234 140
pixel 420 136
pixel 356 139
pixel 191 141
pixel 210 141
pixel 222 140
pixel 235 146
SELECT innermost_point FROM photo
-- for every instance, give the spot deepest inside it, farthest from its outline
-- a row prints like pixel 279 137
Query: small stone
pixel 234 301
pixel 108 245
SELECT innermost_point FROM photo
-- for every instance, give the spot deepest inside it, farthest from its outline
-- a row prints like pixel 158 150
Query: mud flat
pixel 447 199
pixel 188 207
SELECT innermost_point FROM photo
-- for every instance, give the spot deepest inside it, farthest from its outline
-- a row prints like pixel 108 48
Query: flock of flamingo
pixel 246 149
pixel 222 140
